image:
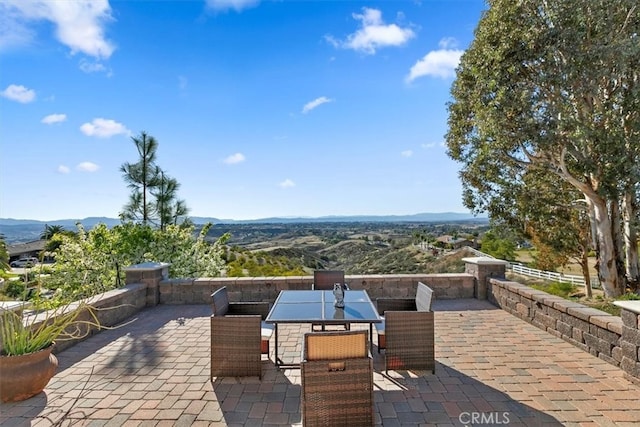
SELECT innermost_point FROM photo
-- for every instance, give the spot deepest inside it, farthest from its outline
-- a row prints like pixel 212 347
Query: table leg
pixel 275 348
pixel 279 362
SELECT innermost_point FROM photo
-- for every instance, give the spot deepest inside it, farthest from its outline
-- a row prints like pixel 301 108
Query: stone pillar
pixel 149 274
pixel 483 268
pixel 630 339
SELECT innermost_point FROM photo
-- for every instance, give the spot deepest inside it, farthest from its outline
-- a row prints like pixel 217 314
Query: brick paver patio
pixel 492 369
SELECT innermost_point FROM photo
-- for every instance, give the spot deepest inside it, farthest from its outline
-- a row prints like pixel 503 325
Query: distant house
pixel 453 242
pixel 26 250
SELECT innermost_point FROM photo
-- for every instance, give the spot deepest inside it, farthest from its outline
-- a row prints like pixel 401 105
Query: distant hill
pixel 28 230
pixel 420 217
pixel 87 222
pixel 25 230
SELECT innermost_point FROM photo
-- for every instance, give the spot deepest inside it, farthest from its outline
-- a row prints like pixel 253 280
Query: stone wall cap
pixel 484 260
pixel 147 266
pixel 14 305
pixel 633 306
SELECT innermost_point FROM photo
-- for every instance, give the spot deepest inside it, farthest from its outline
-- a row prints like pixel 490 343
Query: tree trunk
pixel 607 265
pixel 584 264
pixel 618 243
pixel 629 213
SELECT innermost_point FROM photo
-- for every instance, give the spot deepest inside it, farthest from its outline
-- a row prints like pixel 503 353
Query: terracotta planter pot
pixel 26 375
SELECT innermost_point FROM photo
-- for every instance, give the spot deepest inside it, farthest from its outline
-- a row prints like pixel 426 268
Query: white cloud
pixel 236 5
pixel 92 66
pixel 287 183
pixel 407 153
pixel 429 145
pixel 234 159
pixel 104 128
pixel 78 24
pixel 54 118
pixel 440 63
pixel 315 103
pixel 63 169
pixel 87 167
pixel 13 32
pixel 448 43
pixel 373 34
pixel 19 93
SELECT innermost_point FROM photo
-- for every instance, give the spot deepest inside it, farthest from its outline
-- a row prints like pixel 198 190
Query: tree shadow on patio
pixel 273 400
pixel 141 346
pixel 463 304
pixel 405 398
pixel 449 397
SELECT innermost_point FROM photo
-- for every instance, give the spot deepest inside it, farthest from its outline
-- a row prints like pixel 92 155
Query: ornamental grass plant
pixel 25 331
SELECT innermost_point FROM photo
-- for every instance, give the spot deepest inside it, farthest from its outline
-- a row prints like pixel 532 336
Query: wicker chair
pixel 336 372
pixel 239 336
pixel 407 333
pixel 324 280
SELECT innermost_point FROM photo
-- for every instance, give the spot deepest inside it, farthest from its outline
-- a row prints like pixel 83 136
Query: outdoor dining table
pixel 317 307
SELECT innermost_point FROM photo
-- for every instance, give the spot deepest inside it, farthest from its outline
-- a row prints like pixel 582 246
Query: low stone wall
pixel 198 291
pixel 112 308
pixel 630 342
pixel 610 338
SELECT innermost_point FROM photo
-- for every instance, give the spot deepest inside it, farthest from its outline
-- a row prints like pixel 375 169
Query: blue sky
pixel 260 108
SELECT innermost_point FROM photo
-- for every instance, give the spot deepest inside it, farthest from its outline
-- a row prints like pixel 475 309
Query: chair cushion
pixel 266 330
pixel 424 297
pixel 220 302
pixel 336 345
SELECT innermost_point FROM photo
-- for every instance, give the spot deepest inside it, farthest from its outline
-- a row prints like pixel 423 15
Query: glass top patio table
pixel 317 307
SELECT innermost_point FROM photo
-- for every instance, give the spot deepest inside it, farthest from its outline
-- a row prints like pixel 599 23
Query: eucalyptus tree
pixel 557 222
pixel 554 87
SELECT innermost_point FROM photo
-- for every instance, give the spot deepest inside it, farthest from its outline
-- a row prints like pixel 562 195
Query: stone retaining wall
pixel 112 308
pixel 630 342
pixel 611 338
pixel 198 291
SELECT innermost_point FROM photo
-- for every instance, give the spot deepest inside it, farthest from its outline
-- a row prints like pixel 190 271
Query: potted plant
pixel 27 340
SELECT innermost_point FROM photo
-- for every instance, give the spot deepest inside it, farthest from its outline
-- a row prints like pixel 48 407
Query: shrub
pixel 14 289
pixel 629 296
pixel 556 288
pixel 93 261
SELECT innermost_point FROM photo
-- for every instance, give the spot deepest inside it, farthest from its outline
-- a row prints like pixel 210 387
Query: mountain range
pixel 23 230
pixel 420 217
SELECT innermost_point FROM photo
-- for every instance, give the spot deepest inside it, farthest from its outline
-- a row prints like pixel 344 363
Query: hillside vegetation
pixel 366 248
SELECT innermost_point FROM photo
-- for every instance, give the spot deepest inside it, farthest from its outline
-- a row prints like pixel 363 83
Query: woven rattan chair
pixel 324 280
pixel 239 336
pixel 220 304
pixel 407 333
pixel 337 379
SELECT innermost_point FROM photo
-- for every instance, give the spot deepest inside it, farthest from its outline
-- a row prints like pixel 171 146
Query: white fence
pixel 549 275
pixel 477 252
pixel 552 275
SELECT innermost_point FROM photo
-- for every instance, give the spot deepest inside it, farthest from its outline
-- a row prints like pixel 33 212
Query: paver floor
pixel 492 369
